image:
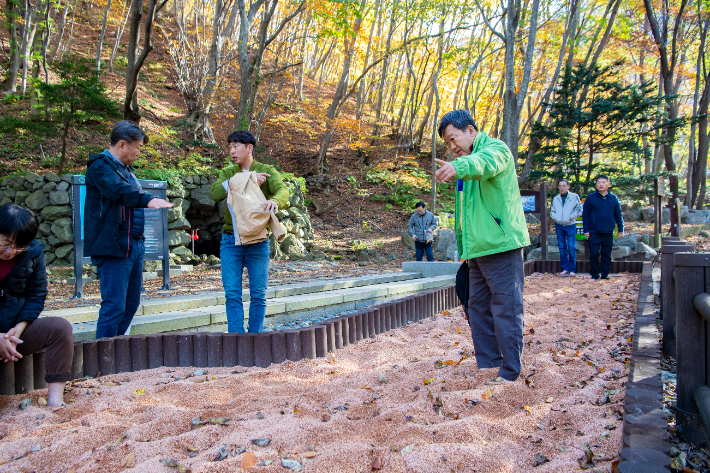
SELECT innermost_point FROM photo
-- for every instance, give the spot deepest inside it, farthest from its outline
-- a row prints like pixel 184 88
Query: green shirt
pixel 489 213
pixel 273 188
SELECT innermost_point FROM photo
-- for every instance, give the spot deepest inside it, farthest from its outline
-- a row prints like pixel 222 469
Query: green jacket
pixel 489 212
pixel 273 188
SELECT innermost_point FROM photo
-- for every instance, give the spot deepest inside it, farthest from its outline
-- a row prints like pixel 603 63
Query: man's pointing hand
pixel 445 172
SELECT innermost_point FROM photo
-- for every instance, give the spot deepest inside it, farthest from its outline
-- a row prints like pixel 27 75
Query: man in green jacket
pixel 490 233
pixel 255 256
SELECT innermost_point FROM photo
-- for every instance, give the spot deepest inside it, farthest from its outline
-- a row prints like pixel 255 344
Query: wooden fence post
pixel 692 271
pixel 668 293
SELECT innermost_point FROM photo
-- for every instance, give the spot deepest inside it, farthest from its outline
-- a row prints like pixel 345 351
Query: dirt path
pixel 380 400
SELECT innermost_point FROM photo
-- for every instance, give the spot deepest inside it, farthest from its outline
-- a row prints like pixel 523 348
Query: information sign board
pixel 155 233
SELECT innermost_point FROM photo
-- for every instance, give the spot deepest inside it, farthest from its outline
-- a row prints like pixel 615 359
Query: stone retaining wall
pixel 50 197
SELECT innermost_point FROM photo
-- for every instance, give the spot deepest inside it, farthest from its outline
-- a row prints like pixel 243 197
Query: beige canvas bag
pixel 246 202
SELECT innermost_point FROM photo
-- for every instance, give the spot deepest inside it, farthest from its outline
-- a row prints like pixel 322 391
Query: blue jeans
pixel 121 281
pixel 568 251
pixel 495 311
pixel 256 259
pixel 420 248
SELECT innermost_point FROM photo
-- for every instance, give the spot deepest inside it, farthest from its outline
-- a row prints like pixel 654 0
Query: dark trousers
pixel 421 247
pixel 121 281
pixel 53 334
pixel 597 242
pixel 495 311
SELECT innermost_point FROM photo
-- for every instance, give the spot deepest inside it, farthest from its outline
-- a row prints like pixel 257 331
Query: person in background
pixel 601 213
pixel 255 256
pixel 23 289
pixel 490 234
pixel 113 227
pixel 421 227
pixel 566 207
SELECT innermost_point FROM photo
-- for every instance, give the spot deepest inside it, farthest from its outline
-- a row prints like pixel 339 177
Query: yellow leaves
pixel 458 330
pixel 139 392
pixel 488 394
pixel 462 358
pixel 526 409
pixel 429 381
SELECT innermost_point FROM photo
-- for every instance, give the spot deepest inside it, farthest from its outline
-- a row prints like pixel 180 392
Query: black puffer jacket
pixel 113 212
pixel 23 291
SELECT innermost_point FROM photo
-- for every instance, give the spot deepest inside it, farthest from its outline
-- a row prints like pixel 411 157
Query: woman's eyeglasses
pixel 12 248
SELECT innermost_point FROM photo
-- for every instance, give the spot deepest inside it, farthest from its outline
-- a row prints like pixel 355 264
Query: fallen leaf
pixel 197 373
pixel 222 454
pixel 325 417
pixel 265 462
pixel 376 464
pixel 408 449
pixel 25 403
pixel 462 358
pixel 42 401
pixel 128 460
pixel 219 420
pixel 292 464
pixel 110 383
pixel 309 454
pixel 540 459
pixel 248 460
pixel 139 392
pixel 488 394
pixel 549 399
pixel 263 442
pixel 366 387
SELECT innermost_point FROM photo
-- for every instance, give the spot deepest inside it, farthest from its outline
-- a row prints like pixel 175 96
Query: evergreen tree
pixel 593 115
pixel 77 102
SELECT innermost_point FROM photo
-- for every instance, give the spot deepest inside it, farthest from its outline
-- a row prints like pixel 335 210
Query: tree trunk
pixel 71 29
pixel 60 33
pixel 383 76
pixel 363 83
pixel 101 36
pixel 135 60
pixel 11 11
pixel 512 100
pixel 349 51
pixel 668 67
pixel 119 34
pixel 28 38
pixel 536 141
pixel 692 151
pixel 434 129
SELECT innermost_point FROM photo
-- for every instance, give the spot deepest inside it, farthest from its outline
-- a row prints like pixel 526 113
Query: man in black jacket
pixel 600 214
pixel 113 227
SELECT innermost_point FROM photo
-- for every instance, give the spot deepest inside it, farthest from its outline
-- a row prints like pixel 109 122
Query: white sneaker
pixel 564 273
pixel 572 274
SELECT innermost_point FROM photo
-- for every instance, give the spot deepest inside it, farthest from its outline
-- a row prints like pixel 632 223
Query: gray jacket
pixel 568 214
pixel 419 225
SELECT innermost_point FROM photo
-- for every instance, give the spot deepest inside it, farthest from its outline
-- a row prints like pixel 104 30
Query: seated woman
pixel 23 289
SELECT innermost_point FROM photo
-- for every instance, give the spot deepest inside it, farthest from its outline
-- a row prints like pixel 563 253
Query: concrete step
pixel 279 310
pixel 156 306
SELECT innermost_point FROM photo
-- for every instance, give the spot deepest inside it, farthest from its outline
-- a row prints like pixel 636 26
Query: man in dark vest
pixel 113 227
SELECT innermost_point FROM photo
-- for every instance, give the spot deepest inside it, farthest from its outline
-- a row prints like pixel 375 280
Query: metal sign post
pixel 156 230
pixel 536 202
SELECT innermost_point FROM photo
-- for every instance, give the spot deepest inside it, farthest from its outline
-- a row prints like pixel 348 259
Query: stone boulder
pixel 694 218
pixel 647 250
pixel 62 229
pixel 628 240
pixel 291 245
pixel 63 251
pixel 407 240
pixel 36 200
pixel 21 197
pixel 53 212
pixel 179 224
pixel 632 215
pixel 201 199
pixel 59 197
pixel 178 237
pixel 620 252
pixel 178 209
pixel 62 186
pixel 532 218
